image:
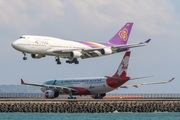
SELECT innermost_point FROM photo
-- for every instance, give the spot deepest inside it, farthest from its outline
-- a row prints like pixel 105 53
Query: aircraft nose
pixel 14 44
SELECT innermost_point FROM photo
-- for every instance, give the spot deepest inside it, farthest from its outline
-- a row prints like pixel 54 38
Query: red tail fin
pixel 122 69
pixel 113 81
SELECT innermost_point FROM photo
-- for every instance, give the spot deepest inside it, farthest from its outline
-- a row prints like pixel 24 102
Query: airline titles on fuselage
pixel 86 81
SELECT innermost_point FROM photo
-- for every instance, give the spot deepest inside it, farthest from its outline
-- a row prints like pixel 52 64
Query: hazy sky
pixel 95 21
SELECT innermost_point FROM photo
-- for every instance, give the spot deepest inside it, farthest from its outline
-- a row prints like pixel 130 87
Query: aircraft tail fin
pixel 121 37
pixel 119 78
pixel 122 69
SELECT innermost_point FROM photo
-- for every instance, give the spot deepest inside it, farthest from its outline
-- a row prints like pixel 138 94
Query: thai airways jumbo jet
pixel 96 87
pixel 40 46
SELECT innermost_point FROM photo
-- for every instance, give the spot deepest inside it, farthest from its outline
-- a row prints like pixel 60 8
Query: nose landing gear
pixel 24 58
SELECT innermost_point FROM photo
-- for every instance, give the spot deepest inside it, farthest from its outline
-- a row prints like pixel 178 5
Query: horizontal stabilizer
pixel 116 78
pixel 137 84
pixel 140 77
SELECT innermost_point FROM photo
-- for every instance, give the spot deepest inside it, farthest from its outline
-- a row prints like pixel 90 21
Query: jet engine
pixel 75 54
pixel 106 51
pixel 51 94
pixel 98 96
pixel 37 56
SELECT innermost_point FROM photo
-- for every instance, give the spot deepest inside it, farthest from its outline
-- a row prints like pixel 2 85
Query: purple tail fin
pixel 122 36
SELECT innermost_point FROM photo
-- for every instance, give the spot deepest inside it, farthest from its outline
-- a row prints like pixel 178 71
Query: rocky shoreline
pixel 90 106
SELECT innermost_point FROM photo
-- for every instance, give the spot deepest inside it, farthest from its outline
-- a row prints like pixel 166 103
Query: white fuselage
pixel 46 45
pixel 85 86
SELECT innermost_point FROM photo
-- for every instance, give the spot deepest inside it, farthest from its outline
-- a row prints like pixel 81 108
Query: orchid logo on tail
pixel 123 34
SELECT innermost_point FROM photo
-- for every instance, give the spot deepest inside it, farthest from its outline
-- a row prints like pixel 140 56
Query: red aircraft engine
pixel 51 94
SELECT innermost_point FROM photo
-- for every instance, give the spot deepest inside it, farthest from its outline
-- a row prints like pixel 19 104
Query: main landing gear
pixel 71 97
pixel 24 58
pixel 70 94
pixel 73 61
pixel 58 60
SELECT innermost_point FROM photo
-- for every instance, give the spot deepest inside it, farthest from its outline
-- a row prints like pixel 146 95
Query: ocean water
pixel 90 116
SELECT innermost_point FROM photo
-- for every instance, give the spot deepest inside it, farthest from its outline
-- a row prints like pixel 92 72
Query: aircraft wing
pixel 136 85
pixel 95 52
pixel 53 87
pixel 127 46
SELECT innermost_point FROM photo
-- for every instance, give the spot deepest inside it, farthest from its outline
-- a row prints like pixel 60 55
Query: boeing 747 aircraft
pixel 96 87
pixel 40 46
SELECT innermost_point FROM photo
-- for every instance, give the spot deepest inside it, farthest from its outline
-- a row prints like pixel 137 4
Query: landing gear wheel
pixel 73 61
pixel 24 58
pixel 77 62
pixel 70 97
pixel 58 60
pixel 67 61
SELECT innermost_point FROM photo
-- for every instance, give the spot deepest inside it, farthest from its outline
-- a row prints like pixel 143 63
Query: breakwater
pixel 89 106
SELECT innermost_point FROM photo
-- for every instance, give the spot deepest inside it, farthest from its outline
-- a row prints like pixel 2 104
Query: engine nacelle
pixel 106 51
pixel 37 56
pixel 51 94
pixel 75 54
pixel 98 96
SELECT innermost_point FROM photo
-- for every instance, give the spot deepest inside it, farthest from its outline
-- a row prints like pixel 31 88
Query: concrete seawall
pixel 89 105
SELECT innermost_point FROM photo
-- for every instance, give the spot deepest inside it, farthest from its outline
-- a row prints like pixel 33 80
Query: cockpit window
pixel 45 82
pixel 51 82
pixel 22 37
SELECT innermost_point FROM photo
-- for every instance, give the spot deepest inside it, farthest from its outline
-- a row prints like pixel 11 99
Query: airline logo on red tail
pixel 123 65
pixel 123 34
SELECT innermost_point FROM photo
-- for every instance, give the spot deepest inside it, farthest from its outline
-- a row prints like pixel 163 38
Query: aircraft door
pixel 54 82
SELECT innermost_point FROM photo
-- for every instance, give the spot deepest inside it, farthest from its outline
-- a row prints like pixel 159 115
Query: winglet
pixel 147 41
pixel 22 82
pixel 171 80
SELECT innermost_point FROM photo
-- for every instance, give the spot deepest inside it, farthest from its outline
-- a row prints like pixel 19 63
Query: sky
pixel 94 21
